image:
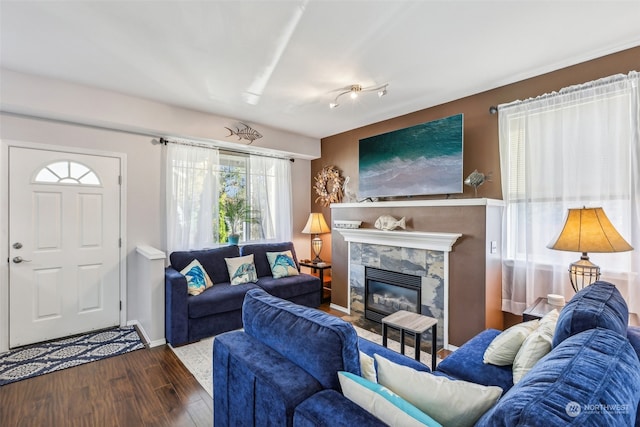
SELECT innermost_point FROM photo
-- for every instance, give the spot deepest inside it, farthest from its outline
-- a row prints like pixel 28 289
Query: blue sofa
pixel 218 309
pixel 285 361
pixel 282 369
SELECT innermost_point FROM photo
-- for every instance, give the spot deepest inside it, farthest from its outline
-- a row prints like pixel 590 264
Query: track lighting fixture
pixel 356 89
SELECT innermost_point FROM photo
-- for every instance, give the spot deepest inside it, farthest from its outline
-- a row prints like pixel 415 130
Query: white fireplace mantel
pixel 407 239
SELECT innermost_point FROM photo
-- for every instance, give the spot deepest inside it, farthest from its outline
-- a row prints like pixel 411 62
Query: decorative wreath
pixel 328 186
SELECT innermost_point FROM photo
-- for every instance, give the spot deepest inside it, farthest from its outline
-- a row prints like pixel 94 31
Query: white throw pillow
pixel 197 278
pixel 241 270
pixel 535 346
pixel 368 367
pixel 382 403
pixel 503 349
pixel 450 402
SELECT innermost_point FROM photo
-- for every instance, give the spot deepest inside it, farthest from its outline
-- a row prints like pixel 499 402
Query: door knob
pixel 18 260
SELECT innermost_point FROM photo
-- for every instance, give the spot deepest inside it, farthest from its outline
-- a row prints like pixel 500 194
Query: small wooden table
pixel 326 286
pixel 538 309
pixel 416 324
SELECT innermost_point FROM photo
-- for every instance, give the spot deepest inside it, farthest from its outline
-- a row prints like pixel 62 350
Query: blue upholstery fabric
pixel 291 286
pixel 219 300
pixel 372 348
pixel 595 367
pixel 176 319
pixel 259 252
pixel 466 363
pixel 254 377
pixel 204 327
pixel 330 408
pixel 211 259
pixel 598 305
pixel 309 300
pixel 319 343
pixel 633 335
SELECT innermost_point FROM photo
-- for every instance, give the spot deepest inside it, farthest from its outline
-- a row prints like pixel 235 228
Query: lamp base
pixel 583 273
pixel 316 245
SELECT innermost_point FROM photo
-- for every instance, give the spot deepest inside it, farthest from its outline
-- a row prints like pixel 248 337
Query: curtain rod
pixel 161 138
pixel 213 146
pixel 593 84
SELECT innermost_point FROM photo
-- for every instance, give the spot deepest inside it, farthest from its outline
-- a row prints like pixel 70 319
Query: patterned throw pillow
pixel 197 278
pixel 282 264
pixel 241 269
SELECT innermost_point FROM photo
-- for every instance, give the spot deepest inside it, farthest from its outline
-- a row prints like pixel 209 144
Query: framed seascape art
pixel 425 159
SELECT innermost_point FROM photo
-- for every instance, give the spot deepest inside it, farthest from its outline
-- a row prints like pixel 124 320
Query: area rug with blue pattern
pixel 38 359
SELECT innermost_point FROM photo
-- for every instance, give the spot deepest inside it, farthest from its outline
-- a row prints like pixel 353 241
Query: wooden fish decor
pixel 388 223
pixel 248 133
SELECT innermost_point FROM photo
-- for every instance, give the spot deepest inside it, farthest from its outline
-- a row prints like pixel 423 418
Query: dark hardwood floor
pixel 148 387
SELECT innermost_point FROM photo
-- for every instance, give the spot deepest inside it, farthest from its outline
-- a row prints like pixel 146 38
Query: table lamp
pixel 316 225
pixel 587 230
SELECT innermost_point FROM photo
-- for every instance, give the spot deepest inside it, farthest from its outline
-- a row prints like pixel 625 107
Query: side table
pixel 416 324
pixel 538 309
pixel 326 287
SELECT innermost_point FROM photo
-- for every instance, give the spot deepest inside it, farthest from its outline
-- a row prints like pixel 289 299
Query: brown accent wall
pixel 474 300
pixel 481 149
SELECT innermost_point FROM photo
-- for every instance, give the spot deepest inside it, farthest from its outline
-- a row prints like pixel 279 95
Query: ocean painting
pixel 419 160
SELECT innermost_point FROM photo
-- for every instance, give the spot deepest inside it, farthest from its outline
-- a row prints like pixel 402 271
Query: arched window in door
pixel 67 172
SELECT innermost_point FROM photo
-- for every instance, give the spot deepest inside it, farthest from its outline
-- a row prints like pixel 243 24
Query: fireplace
pixel 388 291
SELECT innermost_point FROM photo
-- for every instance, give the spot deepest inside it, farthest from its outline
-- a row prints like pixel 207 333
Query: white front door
pixel 64 238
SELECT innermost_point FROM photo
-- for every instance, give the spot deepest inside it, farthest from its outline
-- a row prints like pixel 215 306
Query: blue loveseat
pixel 282 369
pixel 219 309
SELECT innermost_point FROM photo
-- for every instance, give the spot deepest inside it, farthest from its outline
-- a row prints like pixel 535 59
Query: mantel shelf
pixel 408 239
pixel 420 203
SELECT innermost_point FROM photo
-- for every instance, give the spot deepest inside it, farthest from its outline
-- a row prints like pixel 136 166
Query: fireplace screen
pixel 387 292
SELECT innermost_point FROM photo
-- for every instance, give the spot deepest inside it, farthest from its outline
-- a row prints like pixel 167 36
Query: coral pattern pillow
pixel 503 349
pixel 197 278
pixel 282 264
pixel 241 270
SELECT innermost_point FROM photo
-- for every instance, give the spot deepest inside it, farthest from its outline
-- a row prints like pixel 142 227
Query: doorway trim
pixel 4 226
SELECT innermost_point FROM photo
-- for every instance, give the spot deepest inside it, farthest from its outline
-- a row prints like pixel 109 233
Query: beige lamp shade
pixel 316 224
pixel 589 230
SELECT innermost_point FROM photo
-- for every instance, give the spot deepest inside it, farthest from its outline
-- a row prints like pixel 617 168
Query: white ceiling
pixel 279 63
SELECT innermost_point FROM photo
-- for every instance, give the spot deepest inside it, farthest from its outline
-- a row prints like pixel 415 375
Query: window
pixel 213 194
pixel 575 148
pixel 66 172
pixel 236 215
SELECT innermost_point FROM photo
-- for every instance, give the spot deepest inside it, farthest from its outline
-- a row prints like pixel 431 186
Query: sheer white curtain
pixel 578 147
pixel 191 197
pixel 270 194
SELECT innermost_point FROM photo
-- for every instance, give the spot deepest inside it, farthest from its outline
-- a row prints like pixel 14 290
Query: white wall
pixel 144 215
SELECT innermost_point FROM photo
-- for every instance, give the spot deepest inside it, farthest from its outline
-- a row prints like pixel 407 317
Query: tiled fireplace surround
pixel 420 254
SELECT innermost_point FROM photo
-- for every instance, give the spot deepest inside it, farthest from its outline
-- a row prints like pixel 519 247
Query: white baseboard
pixel 157 343
pixel 145 337
pixel 339 308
